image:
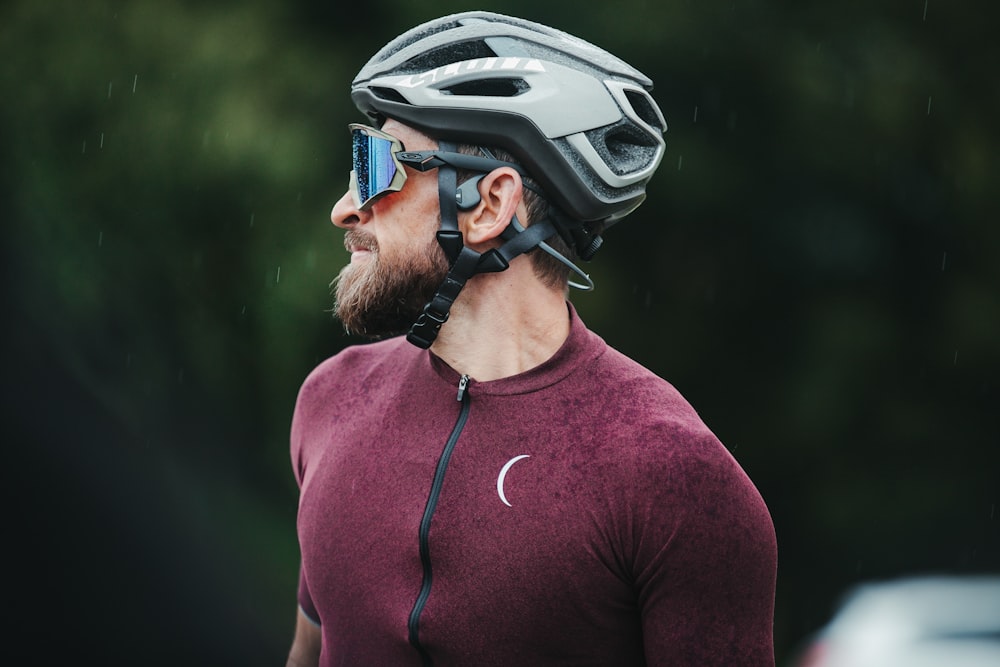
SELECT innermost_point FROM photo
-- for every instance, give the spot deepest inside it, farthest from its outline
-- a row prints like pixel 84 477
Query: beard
pixel 383 297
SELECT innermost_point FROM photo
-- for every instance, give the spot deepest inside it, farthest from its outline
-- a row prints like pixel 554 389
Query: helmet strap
pixel 464 261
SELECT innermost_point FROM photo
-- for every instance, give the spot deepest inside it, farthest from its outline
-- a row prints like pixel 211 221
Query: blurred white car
pixel 914 622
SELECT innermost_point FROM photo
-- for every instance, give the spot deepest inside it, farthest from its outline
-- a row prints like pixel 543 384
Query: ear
pixel 500 195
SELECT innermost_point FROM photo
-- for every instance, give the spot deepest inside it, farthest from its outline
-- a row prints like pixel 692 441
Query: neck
pixel 503 324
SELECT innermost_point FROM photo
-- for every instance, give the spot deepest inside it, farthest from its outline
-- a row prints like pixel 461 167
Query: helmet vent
pixel 390 94
pixel 446 55
pixel 489 88
pixel 623 148
pixel 644 109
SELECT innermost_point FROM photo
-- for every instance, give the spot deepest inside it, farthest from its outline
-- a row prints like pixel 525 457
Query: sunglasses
pixel 378 159
pixel 377 171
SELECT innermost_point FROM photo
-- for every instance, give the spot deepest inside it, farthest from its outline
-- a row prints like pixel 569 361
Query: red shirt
pixel 586 516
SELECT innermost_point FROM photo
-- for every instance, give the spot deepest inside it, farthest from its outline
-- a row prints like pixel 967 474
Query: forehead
pixel 413 139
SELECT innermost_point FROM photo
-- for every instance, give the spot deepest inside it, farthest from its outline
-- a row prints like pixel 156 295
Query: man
pixel 499 487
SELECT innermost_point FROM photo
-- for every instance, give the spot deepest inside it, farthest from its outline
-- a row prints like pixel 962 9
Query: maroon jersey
pixel 577 514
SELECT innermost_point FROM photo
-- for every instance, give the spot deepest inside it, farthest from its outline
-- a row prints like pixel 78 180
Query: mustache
pixel 354 239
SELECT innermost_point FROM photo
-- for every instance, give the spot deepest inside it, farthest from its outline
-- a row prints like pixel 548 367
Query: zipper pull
pixel 463 384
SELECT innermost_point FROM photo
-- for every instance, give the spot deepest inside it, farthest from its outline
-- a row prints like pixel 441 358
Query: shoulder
pixel 361 357
pixel 353 380
pixel 354 367
pixel 673 472
pixel 656 436
pixel 633 396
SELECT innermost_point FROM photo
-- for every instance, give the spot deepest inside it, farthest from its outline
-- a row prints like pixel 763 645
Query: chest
pixel 526 537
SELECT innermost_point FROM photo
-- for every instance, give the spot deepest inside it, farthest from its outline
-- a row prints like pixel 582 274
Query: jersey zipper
pixel 425 523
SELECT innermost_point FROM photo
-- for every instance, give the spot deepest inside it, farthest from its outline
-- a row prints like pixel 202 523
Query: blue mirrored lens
pixel 373 165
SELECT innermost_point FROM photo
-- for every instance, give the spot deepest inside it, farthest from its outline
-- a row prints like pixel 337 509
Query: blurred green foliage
pixel 815 268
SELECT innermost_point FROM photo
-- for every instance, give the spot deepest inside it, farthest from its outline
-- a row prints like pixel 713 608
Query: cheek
pixel 386 203
pixel 420 210
pixel 408 217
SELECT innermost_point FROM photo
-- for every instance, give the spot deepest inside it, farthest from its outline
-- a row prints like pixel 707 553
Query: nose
pixel 345 214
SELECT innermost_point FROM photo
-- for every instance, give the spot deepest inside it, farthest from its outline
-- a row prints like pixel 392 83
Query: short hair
pixel 549 270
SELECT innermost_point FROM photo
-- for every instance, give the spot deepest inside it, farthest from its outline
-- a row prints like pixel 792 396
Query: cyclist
pixel 498 486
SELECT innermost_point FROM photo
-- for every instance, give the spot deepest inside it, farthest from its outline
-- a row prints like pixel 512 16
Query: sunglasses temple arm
pixel 427 160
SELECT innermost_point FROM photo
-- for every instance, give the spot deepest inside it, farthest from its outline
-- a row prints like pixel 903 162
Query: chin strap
pixel 466 262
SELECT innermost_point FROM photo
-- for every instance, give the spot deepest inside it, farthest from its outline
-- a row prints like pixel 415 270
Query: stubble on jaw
pixel 383 296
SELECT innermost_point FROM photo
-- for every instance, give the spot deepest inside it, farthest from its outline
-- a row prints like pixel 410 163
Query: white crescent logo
pixel 503 475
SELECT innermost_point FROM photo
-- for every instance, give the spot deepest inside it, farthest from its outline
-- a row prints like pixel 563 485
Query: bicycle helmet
pixel 579 119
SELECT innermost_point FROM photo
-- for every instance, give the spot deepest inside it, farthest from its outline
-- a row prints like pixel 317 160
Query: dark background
pixel 816 269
